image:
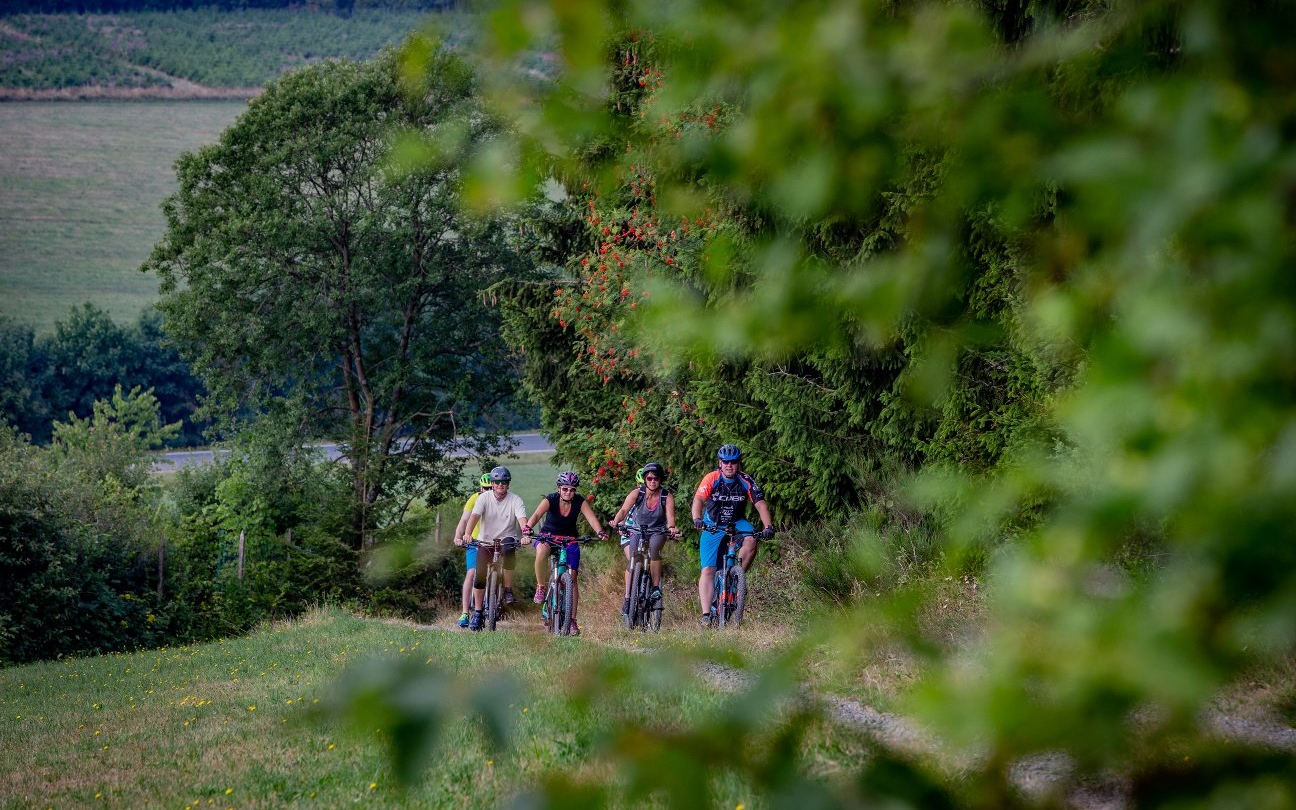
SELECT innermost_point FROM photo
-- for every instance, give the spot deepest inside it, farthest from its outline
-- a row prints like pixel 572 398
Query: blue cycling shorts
pixel 470 558
pixel 709 550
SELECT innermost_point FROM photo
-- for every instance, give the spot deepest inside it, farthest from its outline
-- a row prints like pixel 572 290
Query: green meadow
pixel 81 189
pixel 244 723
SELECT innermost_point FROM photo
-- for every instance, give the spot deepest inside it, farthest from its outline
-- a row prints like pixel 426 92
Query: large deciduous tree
pixel 311 279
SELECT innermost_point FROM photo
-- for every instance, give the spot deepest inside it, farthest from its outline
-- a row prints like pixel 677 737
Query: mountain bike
pixel 730 594
pixel 643 612
pixel 556 610
pixel 494 601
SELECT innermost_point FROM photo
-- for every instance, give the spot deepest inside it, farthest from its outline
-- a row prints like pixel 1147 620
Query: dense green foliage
pixel 61 375
pixel 318 287
pixel 1018 272
pixel 243 48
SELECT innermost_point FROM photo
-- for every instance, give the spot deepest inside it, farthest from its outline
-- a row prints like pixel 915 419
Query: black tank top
pixel 555 522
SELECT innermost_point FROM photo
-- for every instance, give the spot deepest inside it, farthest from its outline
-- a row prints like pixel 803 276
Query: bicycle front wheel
pixel 567 599
pixel 634 610
pixel 735 596
pixel 493 595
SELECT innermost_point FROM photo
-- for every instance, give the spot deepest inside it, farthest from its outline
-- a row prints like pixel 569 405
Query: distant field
pixel 81 188
pixel 189 52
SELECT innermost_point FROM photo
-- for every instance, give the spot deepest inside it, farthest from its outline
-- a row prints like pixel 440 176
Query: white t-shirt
pixel 499 518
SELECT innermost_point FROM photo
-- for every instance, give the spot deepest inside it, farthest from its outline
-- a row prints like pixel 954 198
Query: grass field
pixel 236 724
pixel 81 188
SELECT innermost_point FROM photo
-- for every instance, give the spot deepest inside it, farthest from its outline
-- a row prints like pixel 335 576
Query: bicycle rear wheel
pixel 493 595
pixel 653 614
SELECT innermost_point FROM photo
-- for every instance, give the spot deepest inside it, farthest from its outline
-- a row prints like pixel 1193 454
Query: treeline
pixel 52 376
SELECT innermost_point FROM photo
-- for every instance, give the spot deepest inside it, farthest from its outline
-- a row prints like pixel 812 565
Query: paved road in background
pixel 176 459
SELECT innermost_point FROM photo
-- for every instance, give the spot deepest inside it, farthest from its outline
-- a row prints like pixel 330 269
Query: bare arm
pixel 670 514
pixel 591 518
pixel 540 511
pixel 473 520
pixel 762 509
pixel 459 529
pixel 625 507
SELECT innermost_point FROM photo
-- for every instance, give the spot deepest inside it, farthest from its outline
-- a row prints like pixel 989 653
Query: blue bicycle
pixel 730 594
pixel 556 611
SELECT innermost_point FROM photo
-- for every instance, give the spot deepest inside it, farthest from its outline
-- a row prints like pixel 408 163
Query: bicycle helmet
pixel 500 475
pixel 729 452
pixel 568 479
pixel 485 480
pixel 656 469
pixel 639 476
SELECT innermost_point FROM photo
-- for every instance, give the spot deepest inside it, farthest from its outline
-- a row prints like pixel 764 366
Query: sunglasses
pixel 651 478
pixel 566 489
pixel 722 461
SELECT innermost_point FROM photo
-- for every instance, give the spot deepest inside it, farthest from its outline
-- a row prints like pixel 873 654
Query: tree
pixel 311 279
pixel 23 375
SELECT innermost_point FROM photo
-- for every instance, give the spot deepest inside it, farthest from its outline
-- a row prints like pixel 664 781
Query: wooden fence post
pixel 242 539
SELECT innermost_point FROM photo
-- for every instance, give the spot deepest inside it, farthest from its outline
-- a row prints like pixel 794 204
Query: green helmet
pixel 485 480
pixel 639 476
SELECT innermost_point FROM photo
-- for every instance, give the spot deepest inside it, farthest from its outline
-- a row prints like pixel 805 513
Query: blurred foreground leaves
pixel 1125 174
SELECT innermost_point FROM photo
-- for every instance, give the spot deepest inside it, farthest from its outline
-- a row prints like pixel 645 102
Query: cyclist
pixel 470 556
pixel 497 514
pixel 650 507
pixel 560 511
pixel 720 500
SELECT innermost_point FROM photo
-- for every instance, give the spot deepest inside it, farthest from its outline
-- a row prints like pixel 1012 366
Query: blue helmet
pixel 729 452
pixel 500 475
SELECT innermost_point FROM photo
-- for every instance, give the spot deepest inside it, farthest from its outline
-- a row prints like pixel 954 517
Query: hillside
pixel 189 54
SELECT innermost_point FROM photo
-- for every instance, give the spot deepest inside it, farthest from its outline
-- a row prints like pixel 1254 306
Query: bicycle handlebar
pixel 561 540
pixel 506 543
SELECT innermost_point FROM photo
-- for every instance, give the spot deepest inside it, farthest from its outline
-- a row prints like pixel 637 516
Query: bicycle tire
pixel 492 599
pixel 736 592
pixel 634 609
pixel 568 596
pixel 553 600
pixel 652 610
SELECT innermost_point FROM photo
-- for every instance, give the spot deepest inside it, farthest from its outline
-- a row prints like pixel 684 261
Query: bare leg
pixel 654 568
pixel 469 578
pixel 542 565
pixel 706 588
pixel 629 554
pixel 747 553
pixel 575 592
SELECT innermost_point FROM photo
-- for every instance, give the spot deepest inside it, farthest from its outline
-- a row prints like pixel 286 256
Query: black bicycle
pixel 644 611
pixel 556 611
pixel 494 603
